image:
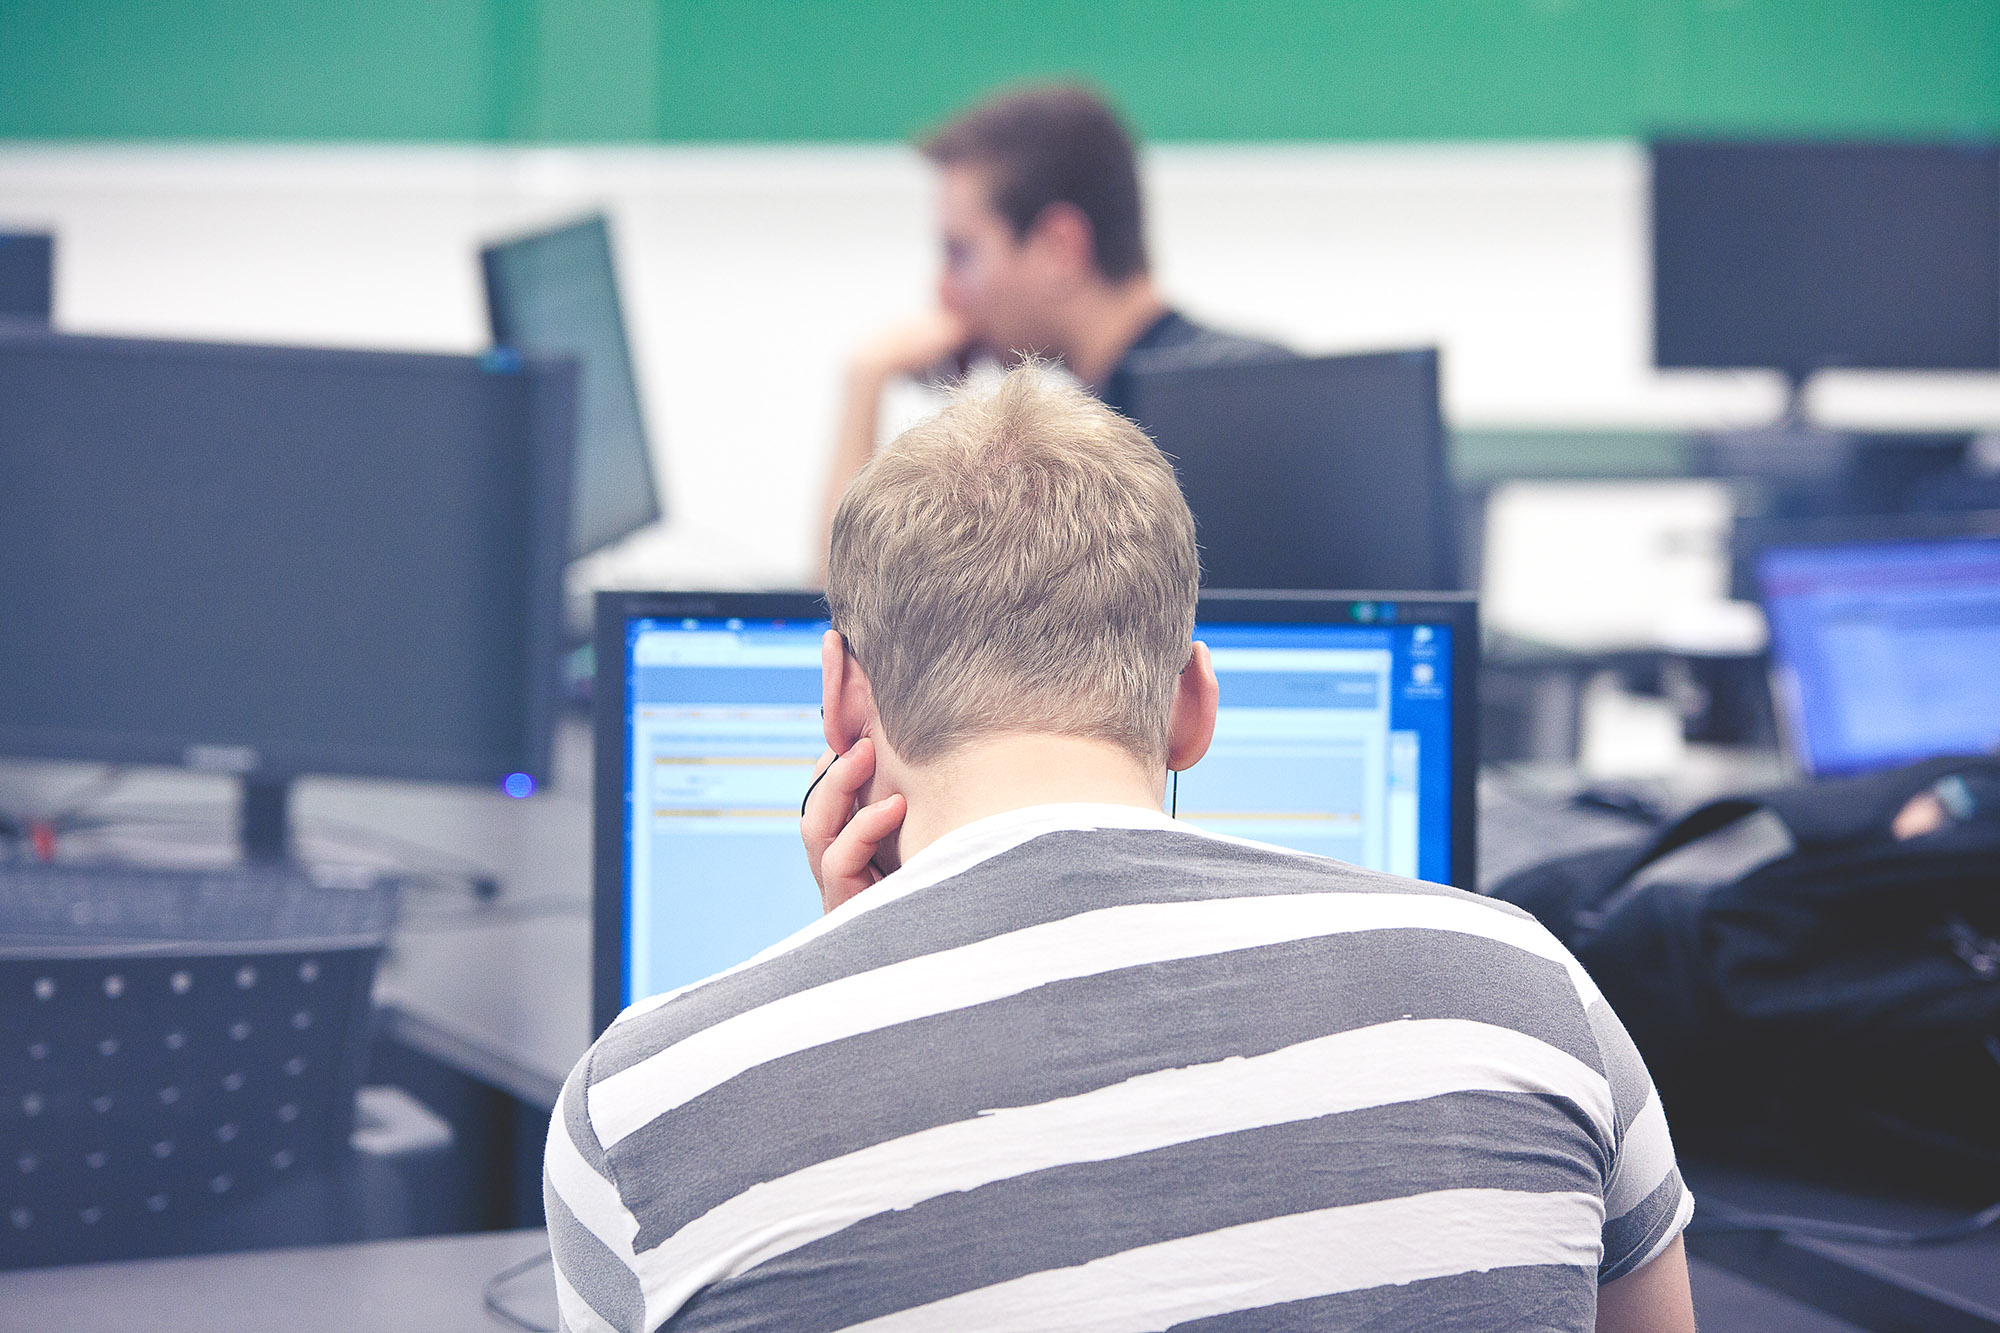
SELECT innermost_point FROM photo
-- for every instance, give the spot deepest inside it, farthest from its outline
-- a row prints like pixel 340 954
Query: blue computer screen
pixel 1883 653
pixel 1334 739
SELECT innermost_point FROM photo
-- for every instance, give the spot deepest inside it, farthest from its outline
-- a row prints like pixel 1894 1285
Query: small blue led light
pixel 518 785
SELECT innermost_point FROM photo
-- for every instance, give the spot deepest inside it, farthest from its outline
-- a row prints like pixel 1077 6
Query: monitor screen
pixel 1884 652
pixel 27 276
pixel 1342 732
pixel 1333 739
pixel 1325 472
pixel 278 561
pixel 1798 256
pixel 556 293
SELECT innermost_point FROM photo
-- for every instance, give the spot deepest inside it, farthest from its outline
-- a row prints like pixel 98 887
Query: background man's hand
pixel 913 347
pixel 841 839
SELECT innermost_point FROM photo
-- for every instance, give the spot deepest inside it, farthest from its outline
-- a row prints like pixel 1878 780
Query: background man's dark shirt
pixel 1175 342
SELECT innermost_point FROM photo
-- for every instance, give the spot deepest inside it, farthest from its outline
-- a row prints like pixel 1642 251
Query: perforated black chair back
pixel 177 1048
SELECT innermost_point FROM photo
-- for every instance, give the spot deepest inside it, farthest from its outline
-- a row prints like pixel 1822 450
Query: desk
pixel 499 991
pixel 482 1006
pixel 399 1286
pixel 434 1286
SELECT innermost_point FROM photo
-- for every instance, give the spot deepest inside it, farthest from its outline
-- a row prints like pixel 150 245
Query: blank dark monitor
pixel 278 561
pixel 1798 256
pixel 556 293
pixel 1322 472
pixel 27 276
pixel 1347 728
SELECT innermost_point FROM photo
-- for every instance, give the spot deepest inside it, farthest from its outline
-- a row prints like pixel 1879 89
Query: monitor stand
pixel 264 822
pixel 1792 452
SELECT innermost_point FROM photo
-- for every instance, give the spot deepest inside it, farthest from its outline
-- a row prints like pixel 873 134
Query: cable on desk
pixel 491 1293
pixel 1716 1218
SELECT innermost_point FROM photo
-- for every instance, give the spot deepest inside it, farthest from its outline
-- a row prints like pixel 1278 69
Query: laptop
pixel 1884 649
pixel 1347 728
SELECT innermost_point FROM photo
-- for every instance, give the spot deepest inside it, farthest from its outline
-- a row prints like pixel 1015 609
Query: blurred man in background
pixel 1044 255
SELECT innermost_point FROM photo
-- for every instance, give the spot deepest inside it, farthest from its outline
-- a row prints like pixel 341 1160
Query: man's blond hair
pixel 1023 562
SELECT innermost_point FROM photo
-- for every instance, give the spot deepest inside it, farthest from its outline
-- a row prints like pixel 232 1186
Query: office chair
pixel 179 1056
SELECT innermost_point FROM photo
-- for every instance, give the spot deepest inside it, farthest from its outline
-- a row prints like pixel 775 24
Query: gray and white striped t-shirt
pixel 1084 1066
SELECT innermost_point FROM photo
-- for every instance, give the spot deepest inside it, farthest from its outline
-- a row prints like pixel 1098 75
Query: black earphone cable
pixel 491 1293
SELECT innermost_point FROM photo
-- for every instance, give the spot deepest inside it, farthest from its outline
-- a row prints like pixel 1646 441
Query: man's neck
pixel 1103 323
pixel 991 777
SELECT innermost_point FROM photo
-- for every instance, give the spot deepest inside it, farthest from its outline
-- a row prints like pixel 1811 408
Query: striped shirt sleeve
pixel 591 1229
pixel 1645 1202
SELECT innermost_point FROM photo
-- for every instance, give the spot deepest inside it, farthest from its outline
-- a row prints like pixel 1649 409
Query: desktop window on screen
pixel 1884 653
pixel 1331 739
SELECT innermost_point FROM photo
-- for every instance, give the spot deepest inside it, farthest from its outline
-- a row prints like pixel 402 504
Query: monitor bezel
pixel 500 324
pixel 611 767
pixel 550 389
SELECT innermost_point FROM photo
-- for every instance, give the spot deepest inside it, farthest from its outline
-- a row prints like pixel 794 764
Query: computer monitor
pixel 1883 651
pixel 1320 472
pixel 1798 256
pixel 556 293
pixel 27 277
pixel 1347 727
pixel 272 562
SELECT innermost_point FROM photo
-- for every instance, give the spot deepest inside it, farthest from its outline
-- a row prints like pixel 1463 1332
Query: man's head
pixel 1039 194
pixel 1022 563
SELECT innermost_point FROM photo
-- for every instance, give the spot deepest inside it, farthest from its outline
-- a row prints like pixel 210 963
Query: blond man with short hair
pixel 1053 1060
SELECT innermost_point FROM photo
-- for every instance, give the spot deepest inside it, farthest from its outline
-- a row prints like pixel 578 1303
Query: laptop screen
pixel 1883 652
pixel 1335 739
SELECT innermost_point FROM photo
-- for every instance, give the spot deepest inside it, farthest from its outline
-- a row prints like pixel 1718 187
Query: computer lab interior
pixel 416 435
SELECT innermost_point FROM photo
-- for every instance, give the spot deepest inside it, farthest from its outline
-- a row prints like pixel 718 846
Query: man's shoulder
pixel 1095 884
pixel 1177 342
pixel 1209 862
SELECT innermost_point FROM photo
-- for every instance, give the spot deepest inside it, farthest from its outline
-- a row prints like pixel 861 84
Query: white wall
pixel 749 273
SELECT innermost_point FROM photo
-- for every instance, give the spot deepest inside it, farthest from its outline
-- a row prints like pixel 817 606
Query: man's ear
pixel 1061 234
pixel 846 700
pixel 1191 721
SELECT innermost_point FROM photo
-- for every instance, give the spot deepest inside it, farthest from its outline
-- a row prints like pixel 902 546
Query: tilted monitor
pixel 555 293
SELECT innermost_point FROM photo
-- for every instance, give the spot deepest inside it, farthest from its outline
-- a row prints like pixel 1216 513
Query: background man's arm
pixel 907 349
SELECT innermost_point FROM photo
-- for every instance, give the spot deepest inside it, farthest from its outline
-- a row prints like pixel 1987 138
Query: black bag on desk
pixel 1804 987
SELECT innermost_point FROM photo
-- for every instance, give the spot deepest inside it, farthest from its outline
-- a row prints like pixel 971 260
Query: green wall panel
pixel 817 70
pixel 225 69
